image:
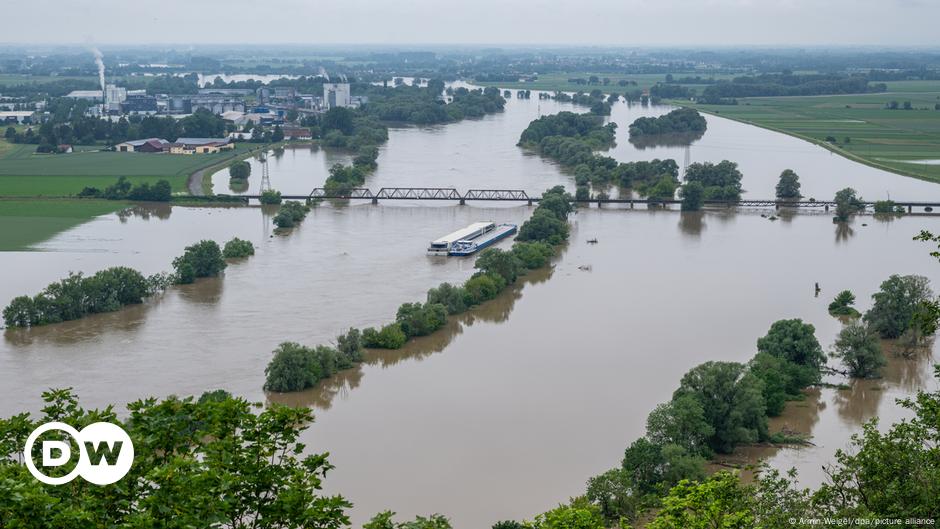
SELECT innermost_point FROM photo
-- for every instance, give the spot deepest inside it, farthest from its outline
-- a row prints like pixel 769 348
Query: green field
pixel 26 222
pixel 24 173
pixel 864 129
pixel 558 81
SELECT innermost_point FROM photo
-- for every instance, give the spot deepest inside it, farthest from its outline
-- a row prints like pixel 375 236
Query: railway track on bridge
pixel 521 196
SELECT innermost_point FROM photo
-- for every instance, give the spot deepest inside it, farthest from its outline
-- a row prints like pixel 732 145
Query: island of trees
pixel 680 122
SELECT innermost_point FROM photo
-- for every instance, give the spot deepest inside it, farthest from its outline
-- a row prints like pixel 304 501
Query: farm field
pixel 23 173
pixel 26 222
pixel 558 81
pixel 902 141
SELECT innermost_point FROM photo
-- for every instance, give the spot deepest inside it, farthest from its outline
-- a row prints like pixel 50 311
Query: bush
pixel 417 319
pixel 203 259
pixel 454 299
pixel 543 226
pixel 532 255
pixel 290 214
pixel 388 337
pixel 498 262
pixel 295 367
pixel 238 248
pixel 270 196
pixel 483 287
pixel 887 207
pixel 159 192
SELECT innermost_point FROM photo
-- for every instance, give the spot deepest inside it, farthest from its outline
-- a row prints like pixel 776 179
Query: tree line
pixel 294 367
pixel 108 290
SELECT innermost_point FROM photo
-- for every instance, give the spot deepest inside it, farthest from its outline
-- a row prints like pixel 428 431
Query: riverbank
pixel 855 126
pixel 198 184
pixel 26 222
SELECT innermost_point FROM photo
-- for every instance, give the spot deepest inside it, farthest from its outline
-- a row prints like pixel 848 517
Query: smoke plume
pixel 100 62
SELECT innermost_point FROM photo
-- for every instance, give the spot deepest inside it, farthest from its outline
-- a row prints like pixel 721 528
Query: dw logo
pixel 105 453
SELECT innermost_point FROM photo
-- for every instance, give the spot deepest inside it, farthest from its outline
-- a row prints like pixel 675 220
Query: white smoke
pixel 99 60
pixel 324 74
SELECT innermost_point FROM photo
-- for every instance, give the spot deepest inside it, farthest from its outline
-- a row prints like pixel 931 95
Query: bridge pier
pixel 530 201
pixel 631 204
pixel 910 209
pixel 375 201
pixel 463 202
pixel 827 207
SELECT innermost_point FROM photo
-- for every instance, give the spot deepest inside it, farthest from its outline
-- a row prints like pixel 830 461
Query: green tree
pixel 795 342
pixel 774 374
pixel 692 195
pixel 421 319
pixel 277 134
pixel 239 170
pixel 733 402
pixel 544 226
pixel 238 248
pixel 203 258
pixel 532 255
pixel 270 197
pixel 897 303
pixel 893 473
pixel 580 514
pixel 216 461
pixel 720 502
pixel 860 351
pixel 452 297
pixel 847 203
pixel 388 337
pixel 499 262
pixel 842 304
pixel 680 422
pixel 788 187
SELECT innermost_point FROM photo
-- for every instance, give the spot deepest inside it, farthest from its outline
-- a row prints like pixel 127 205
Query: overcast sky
pixel 602 22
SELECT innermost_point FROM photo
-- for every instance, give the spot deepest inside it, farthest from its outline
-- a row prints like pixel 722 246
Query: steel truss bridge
pixel 518 195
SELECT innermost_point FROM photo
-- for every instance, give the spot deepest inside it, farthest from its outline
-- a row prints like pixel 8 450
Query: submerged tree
pixel 788 187
pixel 847 203
pixel 860 351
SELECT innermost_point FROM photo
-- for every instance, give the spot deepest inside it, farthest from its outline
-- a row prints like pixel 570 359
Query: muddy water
pixel 514 406
pixel 481 153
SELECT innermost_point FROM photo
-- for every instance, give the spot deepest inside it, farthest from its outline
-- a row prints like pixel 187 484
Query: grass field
pixel 27 222
pixel 558 81
pixel 23 173
pixel 863 128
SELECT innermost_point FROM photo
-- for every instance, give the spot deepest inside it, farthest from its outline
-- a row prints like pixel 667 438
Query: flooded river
pixel 510 409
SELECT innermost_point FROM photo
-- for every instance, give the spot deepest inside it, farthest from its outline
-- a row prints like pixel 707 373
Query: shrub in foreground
pixel 238 248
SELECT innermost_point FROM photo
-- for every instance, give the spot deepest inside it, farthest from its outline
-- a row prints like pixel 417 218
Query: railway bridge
pixel 518 195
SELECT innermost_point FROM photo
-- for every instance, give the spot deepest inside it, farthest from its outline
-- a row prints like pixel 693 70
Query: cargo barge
pixel 471 239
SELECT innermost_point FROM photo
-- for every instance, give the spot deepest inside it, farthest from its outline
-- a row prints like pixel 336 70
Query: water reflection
pixel 205 291
pixel 159 210
pixel 844 232
pixel 125 322
pixel 692 223
pixel 665 140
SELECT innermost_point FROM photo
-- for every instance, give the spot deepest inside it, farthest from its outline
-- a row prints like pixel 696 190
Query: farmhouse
pixel 145 145
pixel 201 145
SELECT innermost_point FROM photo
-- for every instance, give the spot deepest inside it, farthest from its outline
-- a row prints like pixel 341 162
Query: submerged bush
pixel 388 337
pixel 237 248
pixel 270 196
pixel 203 259
pixel 291 214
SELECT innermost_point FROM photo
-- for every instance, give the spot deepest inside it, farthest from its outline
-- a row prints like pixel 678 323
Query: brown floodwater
pixel 514 405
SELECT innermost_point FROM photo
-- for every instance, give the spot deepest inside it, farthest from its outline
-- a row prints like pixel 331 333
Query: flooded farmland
pixel 516 403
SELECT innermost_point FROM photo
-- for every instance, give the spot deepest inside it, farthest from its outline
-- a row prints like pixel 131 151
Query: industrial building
pixel 336 95
pixel 19 116
pixel 145 145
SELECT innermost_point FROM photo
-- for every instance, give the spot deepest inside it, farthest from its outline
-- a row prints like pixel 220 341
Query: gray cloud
pixel 603 22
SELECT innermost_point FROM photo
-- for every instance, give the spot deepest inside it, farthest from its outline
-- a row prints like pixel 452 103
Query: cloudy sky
pixel 602 22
